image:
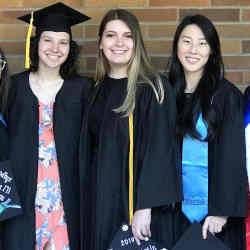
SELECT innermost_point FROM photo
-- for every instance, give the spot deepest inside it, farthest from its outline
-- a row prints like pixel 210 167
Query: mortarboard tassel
pixel 27 55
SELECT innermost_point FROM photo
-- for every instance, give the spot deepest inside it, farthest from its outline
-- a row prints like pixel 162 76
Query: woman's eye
pixel 203 43
pixel 186 41
pixel 109 35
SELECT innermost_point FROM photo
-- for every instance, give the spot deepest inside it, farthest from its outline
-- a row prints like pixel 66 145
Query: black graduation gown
pixel 104 159
pixel 226 169
pixel 246 94
pixel 3 156
pixel 23 120
pixel 4 142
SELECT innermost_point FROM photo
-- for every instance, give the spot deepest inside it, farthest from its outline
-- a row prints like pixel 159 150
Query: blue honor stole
pixel 195 174
pixel 2 120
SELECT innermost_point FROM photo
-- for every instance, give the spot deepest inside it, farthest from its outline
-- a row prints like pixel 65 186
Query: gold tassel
pixel 131 159
pixel 27 53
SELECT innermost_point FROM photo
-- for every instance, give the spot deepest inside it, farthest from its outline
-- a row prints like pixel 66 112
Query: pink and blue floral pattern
pixel 51 228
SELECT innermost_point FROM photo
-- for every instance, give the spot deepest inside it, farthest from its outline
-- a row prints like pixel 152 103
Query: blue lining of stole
pixel 2 120
pixel 195 174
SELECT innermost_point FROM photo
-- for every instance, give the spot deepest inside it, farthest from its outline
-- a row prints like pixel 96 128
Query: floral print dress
pixel 51 228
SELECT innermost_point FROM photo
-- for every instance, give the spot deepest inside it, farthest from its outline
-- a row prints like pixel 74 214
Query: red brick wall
pixel 158 20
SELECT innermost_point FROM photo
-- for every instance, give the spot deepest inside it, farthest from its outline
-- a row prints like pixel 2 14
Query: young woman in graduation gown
pixel 45 111
pixel 126 83
pixel 210 127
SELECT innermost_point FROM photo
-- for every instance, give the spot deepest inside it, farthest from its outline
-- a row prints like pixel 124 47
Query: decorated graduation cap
pixel 57 17
pixel 9 199
pixel 192 240
pixel 124 240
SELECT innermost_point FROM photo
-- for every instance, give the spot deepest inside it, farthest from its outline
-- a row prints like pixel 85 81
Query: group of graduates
pixel 68 138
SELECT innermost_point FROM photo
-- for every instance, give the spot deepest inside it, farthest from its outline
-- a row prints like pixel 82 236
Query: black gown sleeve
pixel 246 94
pixel 227 157
pixel 159 181
pixel 87 89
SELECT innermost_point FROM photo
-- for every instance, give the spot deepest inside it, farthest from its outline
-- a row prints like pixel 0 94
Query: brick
pixel 159 47
pixel 90 63
pixel 155 15
pixel 77 31
pixel 217 15
pixel 230 46
pixel 13 32
pixel 162 30
pixel 247 77
pixel 160 63
pixel 82 64
pixel 234 30
pixel 115 3
pixel 245 15
pixel 10 17
pixel 91 31
pixel 43 3
pixel 246 46
pixel 87 47
pixel 11 4
pixel 15 64
pixel 13 47
pixel 96 15
pixel 230 2
pixel 182 3
pixel 234 77
pixel 237 62
pixel 20 32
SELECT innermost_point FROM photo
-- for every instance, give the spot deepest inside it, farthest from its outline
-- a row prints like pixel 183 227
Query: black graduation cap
pixel 192 240
pixel 124 240
pixel 9 200
pixel 56 17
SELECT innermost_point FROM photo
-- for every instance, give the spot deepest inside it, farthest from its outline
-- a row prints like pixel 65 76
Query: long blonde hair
pixel 140 68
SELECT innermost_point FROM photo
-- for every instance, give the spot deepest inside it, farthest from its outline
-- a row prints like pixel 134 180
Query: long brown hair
pixel 140 68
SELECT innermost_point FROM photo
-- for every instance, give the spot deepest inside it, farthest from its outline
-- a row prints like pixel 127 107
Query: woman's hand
pixel 214 224
pixel 141 225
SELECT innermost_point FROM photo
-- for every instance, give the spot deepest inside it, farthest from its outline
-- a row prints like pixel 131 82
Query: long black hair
pixel 202 98
pixel 68 69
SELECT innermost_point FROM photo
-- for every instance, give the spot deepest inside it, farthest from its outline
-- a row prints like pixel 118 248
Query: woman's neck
pixel 48 74
pixel 192 81
pixel 47 77
pixel 118 73
pixel 44 86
